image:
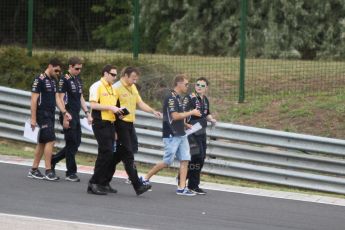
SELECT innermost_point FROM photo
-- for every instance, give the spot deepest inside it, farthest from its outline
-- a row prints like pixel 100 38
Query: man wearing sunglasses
pixel 43 102
pixel 70 91
pixel 103 99
pixel 198 100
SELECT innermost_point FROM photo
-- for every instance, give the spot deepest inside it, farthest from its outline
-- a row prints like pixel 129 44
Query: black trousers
pixel 72 143
pixel 198 154
pixel 126 145
pixel 104 132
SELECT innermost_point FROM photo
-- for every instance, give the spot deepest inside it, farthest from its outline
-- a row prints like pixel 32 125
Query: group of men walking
pixel 113 107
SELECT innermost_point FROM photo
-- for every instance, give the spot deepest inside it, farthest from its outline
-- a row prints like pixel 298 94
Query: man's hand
pixel 213 121
pixel 116 110
pixel 157 114
pixel 89 118
pixel 65 122
pixel 68 116
pixel 188 126
pixel 33 124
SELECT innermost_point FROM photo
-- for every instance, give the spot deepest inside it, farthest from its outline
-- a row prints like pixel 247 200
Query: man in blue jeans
pixel 174 136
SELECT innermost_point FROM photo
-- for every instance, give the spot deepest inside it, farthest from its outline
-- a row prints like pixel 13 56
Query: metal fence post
pixel 243 51
pixel 30 25
pixel 136 10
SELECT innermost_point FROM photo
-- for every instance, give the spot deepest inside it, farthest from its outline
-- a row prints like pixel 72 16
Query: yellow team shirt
pixel 128 97
pixel 103 93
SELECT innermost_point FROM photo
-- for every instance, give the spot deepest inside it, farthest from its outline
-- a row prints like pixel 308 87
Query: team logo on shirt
pixel 48 85
pixel 73 87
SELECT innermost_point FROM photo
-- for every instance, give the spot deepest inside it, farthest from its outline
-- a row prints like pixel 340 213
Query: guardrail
pixel 264 155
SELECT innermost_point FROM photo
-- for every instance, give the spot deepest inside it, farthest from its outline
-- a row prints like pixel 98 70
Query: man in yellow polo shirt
pixel 103 99
pixel 128 97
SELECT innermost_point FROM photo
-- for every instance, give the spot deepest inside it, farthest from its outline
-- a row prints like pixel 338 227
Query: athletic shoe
pixel 143 188
pixel 95 189
pixel 50 175
pixel 72 178
pixel 108 189
pixel 36 174
pixel 198 191
pixel 184 192
pixel 145 182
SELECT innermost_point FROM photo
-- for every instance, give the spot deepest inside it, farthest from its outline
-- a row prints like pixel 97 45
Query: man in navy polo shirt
pixel 70 91
pixel 174 136
pixel 43 102
pixel 197 141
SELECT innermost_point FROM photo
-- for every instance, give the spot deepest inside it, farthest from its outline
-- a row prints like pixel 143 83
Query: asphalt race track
pixel 158 209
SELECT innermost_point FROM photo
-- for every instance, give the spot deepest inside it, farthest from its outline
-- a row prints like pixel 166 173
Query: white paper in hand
pixel 85 124
pixel 29 134
pixel 195 127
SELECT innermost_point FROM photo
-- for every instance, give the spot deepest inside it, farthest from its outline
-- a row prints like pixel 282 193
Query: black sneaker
pixel 36 174
pixel 95 189
pixel 198 191
pixel 143 188
pixel 72 178
pixel 51 176
pixel 108 189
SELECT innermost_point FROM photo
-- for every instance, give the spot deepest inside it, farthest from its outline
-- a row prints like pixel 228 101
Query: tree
pixel 117 30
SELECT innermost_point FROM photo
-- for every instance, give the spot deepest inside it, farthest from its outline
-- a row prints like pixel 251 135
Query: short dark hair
pixel 179 78
pixel 107 68
pixel 74 61
pixel 203 79
pixel 55 62
pixel 129 70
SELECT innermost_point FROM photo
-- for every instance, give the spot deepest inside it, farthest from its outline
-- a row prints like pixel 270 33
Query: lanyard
pixel 201 103
pixel 106 88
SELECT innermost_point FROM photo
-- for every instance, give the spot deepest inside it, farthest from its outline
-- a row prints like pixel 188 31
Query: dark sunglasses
pixel 113 74
pixel 77 69
pixel 200 85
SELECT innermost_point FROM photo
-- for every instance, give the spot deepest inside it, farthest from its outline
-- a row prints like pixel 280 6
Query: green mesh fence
pixel 102 31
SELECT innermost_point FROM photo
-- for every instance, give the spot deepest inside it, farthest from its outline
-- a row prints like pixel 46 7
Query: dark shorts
pixel 46 122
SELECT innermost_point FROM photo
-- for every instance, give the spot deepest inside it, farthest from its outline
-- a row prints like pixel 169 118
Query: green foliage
pixel 276 29
pixel 18 71
pixel 116 31
pixel 305 29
